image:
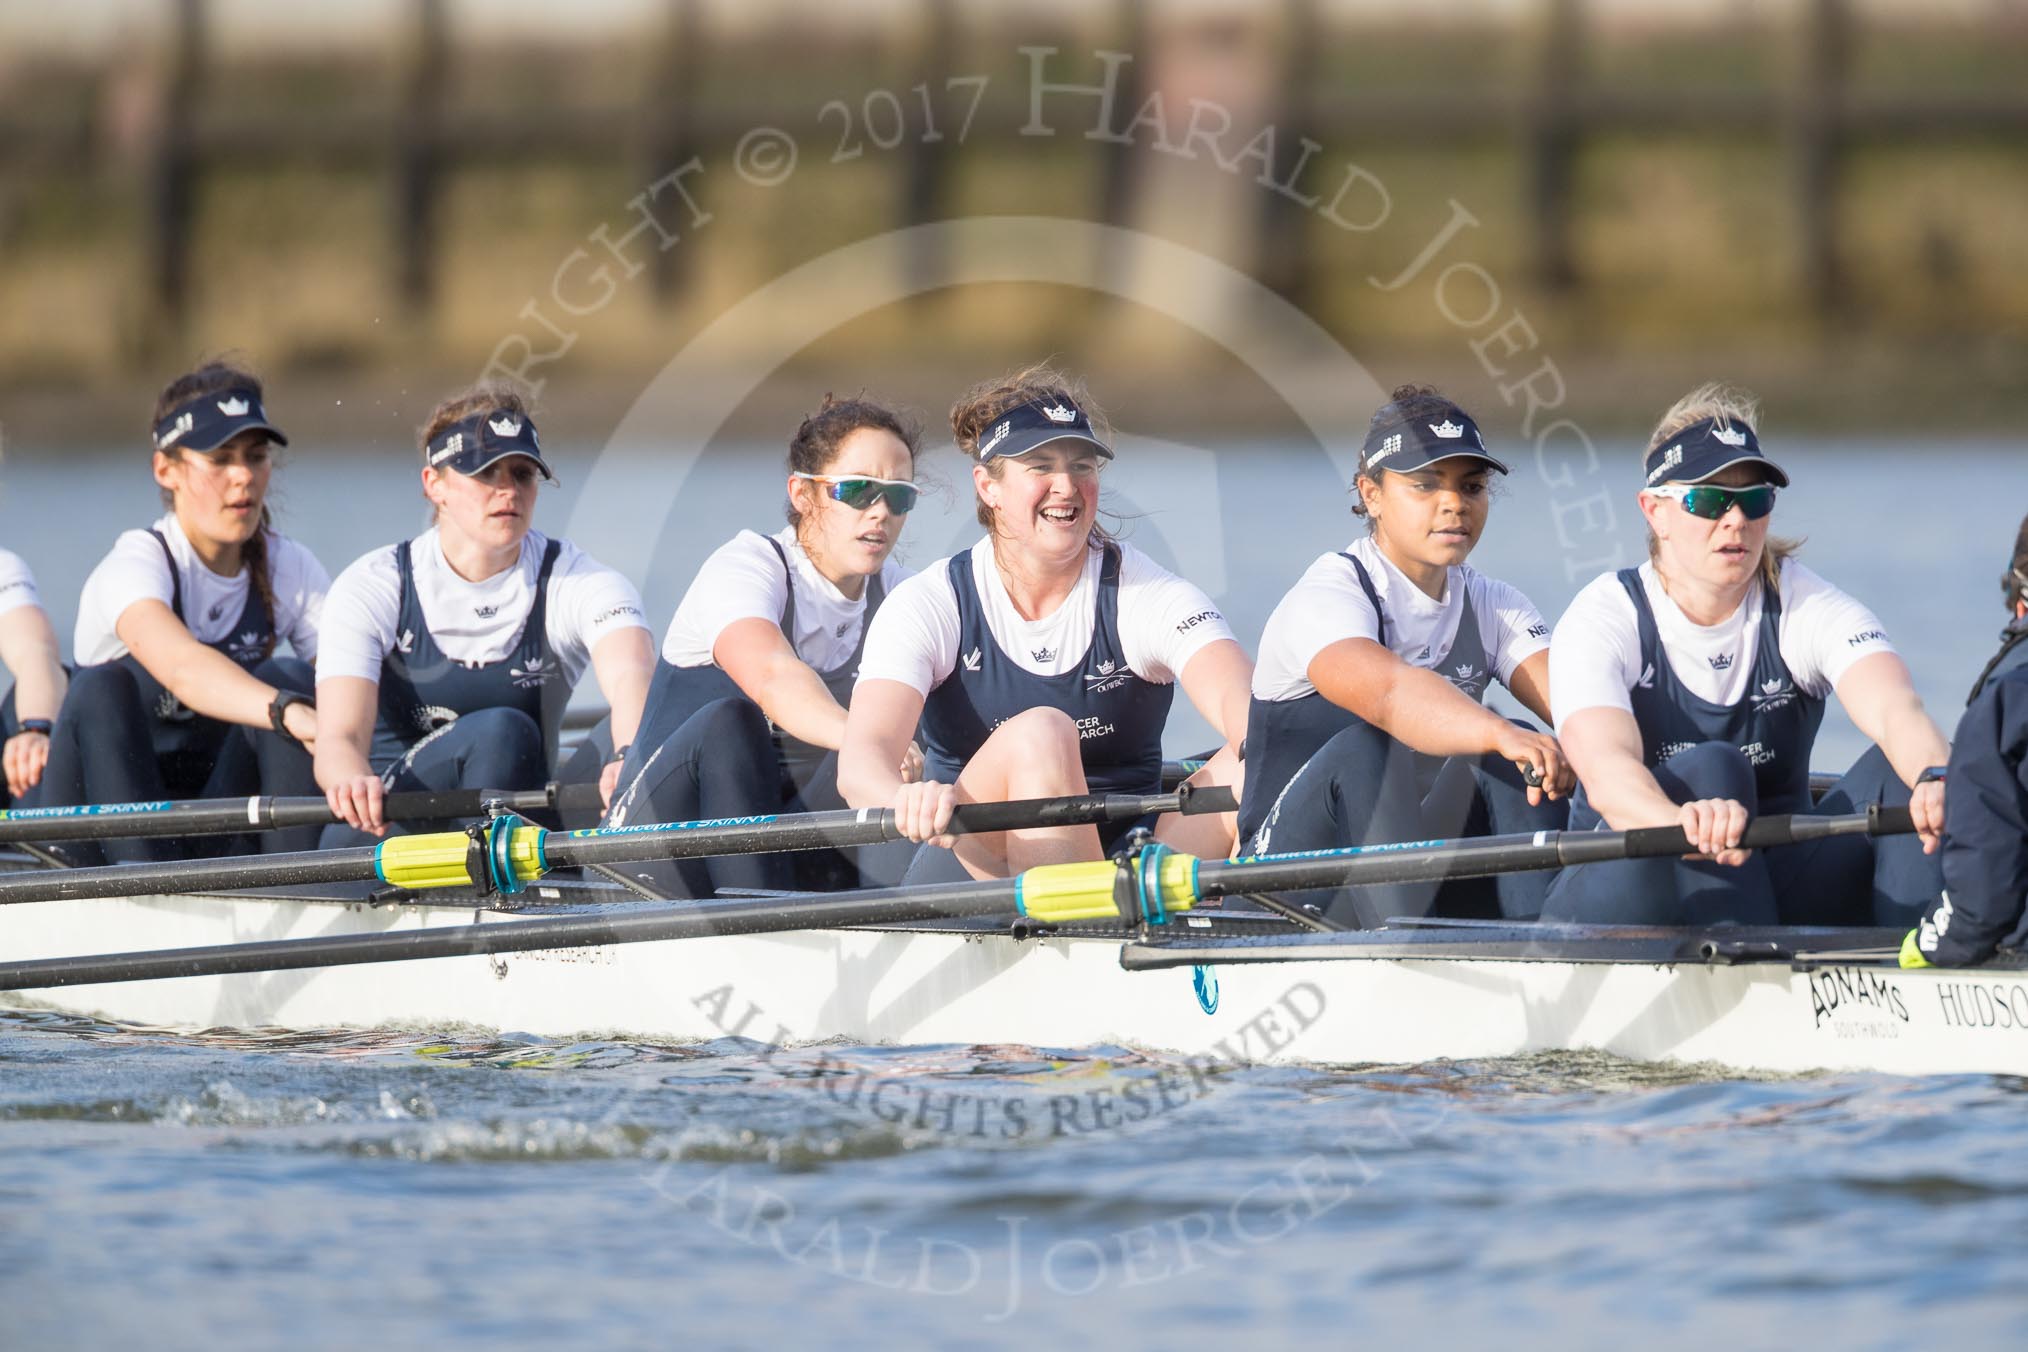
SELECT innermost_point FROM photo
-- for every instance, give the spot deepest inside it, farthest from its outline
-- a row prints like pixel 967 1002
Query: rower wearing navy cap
pixel 1689 691
pixel 178 692
pixel 1043 660
pixel 1367 723
pixel 447 659
pixel 748 706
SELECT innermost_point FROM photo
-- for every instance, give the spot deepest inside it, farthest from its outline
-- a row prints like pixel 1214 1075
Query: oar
pixel 1485 856
pixel 1144 890
pixel 226 816
pixel 506 854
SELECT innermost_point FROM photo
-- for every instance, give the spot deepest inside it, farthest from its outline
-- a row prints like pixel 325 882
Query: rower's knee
pixel 95 689
pixel 726 725
pixel 503 749
pixel 287 673
pixel 1709 770
pixel 1042 729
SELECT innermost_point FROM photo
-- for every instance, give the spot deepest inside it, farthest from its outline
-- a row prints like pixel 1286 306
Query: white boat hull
pixel 889 986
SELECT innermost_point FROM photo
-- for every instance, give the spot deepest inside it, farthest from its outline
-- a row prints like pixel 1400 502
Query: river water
pixel 457 1188
pixel 475 1188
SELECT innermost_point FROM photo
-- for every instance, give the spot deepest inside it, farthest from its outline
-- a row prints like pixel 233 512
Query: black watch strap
pixel 1933 775
pixel 41 725
pixel 280 707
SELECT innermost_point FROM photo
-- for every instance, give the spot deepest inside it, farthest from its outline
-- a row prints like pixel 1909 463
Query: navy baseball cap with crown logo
pixel 1030 426
pixel 471 444
pixel 1411 442
pixel 206 422
pixel 1703 449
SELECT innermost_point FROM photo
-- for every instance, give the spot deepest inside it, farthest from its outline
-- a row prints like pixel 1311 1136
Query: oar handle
pixel 1650 842
pixel 422 805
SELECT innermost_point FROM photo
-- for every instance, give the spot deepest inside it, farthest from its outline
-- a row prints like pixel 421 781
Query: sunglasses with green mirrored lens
pixel 862 492
pixel 1712 503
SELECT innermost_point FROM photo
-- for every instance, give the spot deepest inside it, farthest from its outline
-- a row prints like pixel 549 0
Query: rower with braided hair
pixel 179 692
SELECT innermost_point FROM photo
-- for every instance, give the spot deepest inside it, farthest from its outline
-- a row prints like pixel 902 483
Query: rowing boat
pixel 1230 987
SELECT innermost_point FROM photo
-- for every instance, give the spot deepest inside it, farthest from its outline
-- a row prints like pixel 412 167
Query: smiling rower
pixel 748 706
pixel 1689 691
pixel 178 692
pixel 1367 724
pixel 1042 661
pixel 447 659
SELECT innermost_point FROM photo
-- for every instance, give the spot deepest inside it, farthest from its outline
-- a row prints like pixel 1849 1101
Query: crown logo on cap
pixel 506 425
pixel 233 407
pixel 1447 429
pixel 1059 413
pixel 1731 436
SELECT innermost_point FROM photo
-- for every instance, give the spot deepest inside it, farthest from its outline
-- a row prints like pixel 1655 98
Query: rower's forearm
pixel 1913 742
pixel 38 688
pixel 1429 714
pixel 627 703
pixel 341 755
pixel 1626 795
pixel 798 702
pixel 212 684
pixel 28 648
pixel 866 781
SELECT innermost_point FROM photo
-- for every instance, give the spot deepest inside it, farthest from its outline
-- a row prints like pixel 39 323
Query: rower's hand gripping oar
pixel 505 854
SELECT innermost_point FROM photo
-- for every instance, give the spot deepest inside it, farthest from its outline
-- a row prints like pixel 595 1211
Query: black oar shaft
pixel 640 924
pixel 807 831
pixel 227 816
pixel 872 826
pixel 1485 856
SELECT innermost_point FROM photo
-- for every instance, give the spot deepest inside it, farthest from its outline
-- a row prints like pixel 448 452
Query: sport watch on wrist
pixel 278 710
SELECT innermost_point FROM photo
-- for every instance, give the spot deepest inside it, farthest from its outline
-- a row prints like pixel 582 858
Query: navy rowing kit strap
pixel 1119 714
pixel 1774 724
pixel 423 691
pixel 1282 735
pixel 179 731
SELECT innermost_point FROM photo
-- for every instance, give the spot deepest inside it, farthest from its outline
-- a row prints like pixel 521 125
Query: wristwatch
pixel 41 725
pixel 1933 775
pixel 283 699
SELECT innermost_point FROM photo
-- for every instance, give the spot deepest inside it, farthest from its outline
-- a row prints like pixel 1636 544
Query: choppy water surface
pixel 459 1188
